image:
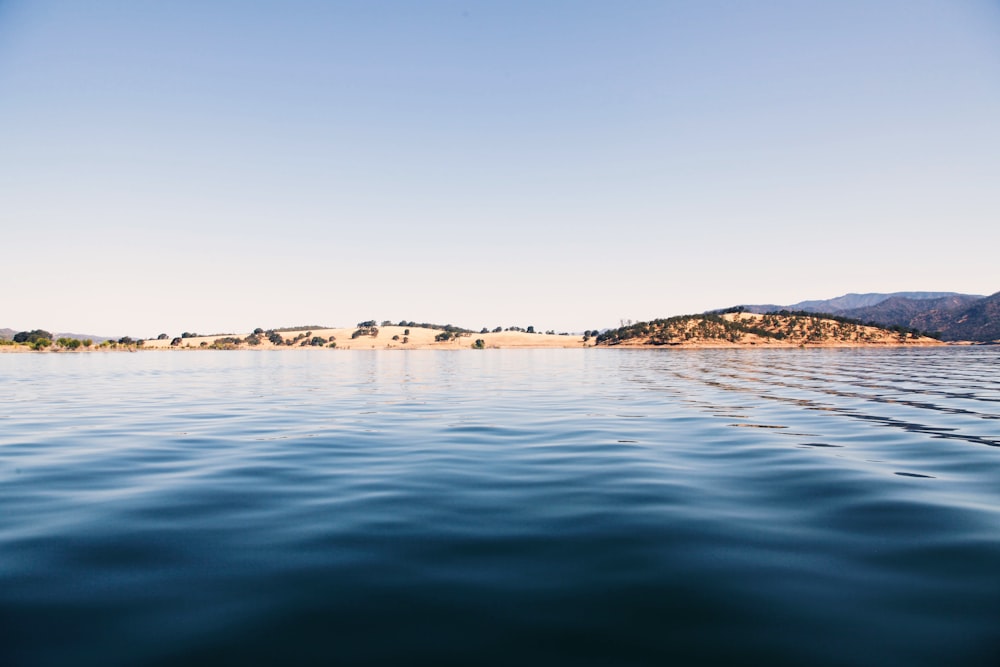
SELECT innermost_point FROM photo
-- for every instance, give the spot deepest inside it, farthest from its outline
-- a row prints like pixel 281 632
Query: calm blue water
pixel 563 507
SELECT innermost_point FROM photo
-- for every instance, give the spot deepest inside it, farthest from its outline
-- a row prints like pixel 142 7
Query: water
pixel 556 507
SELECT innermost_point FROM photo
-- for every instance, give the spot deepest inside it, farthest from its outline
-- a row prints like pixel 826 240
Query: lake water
pixel 501 507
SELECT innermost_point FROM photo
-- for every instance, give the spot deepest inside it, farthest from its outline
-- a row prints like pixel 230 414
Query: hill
pixel 955 316
pixel 842 305
pixel 977 321
pixel 785 329
pixel 902 311
pixel 369 336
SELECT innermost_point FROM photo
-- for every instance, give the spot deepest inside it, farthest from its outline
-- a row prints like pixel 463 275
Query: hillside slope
pixel 902 311
pixel 739 329
pixel 977 321
pixel 955 316
pixel 846 303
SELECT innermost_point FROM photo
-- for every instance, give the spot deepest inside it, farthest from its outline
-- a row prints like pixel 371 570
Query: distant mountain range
pixel 954 316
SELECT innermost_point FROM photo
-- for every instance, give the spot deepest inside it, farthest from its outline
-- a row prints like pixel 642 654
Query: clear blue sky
pixel 217 166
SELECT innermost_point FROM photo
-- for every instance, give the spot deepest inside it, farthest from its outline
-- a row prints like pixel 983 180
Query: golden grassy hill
pixel 739 329
pixel 373 338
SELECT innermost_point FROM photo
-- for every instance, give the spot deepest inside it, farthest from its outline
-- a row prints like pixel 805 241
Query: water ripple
pixel 577 507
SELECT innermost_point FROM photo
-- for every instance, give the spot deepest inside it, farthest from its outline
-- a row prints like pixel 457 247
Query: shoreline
pixel 451 347
pixel 692 334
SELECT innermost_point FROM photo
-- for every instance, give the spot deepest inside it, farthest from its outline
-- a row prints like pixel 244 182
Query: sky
pixel 219 166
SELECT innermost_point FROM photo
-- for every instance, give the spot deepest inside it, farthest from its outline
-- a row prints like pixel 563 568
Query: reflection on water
pixel 825 507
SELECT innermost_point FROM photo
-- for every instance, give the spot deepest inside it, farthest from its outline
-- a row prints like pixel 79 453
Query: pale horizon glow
pixel 215 167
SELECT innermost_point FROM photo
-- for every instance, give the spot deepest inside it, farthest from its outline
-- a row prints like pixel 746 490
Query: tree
pixel 258 331
pixel 162 336
pixel 480 344
pixel 175 342
pixel 32 336
pixel 531 329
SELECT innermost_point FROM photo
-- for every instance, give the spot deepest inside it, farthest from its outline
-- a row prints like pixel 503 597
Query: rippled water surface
pixel 555 507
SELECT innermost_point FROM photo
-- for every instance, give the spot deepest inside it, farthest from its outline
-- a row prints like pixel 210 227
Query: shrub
pixel 226 343
pixel 40 343
pixel 480 344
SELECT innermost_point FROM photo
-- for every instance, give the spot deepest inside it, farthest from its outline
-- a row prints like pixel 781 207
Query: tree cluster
pixel 365 329
pixel 429 325
pixel 33 336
